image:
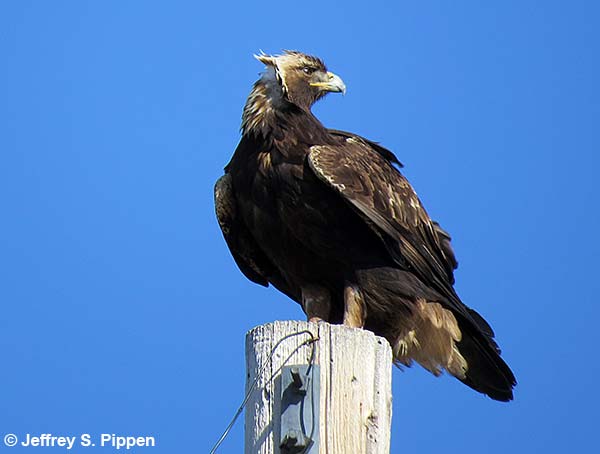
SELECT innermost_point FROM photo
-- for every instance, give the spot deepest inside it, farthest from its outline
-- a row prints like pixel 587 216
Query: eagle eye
pixel 308 70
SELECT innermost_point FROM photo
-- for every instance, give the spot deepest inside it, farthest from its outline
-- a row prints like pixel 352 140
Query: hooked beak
pixel 334 84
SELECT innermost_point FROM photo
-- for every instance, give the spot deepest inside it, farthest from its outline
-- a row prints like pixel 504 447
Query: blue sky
pixel 122 311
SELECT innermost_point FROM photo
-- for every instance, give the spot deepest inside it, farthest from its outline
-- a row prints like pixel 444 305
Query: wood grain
pixel 355 397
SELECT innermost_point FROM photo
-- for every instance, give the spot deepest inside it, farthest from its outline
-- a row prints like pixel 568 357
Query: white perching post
pixel 354 407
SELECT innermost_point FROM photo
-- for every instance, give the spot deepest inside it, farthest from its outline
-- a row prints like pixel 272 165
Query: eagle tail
pixel 439 336
pixel 487 372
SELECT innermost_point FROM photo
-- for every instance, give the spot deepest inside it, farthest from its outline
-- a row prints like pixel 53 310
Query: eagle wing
pixel 446 244
pixel 247 255
pixel 387 154
pixel 366 179
pixel 445 238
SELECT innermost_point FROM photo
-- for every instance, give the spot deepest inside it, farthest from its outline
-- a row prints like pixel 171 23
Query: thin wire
pixel 312 401
pixel 312 404
pixel 310 341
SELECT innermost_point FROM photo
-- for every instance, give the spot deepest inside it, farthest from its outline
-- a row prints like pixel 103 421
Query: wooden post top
pixel 355 385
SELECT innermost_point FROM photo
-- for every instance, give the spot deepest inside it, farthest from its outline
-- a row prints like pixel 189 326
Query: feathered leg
pixel 316 302
pixel 354 306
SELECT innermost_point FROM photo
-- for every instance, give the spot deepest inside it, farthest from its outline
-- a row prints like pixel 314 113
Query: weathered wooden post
pixel 345 395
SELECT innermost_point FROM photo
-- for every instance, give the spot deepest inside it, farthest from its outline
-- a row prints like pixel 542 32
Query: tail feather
pixel 420 326
pixel 487 372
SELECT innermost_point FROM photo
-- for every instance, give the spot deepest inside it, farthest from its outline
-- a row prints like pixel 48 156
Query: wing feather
pixel 381 194
pixel 387 154
pixel 247 255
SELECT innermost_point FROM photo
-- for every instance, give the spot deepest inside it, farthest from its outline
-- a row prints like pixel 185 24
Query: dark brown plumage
pixel 326 217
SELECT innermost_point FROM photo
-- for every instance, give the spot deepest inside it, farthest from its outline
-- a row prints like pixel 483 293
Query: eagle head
pixel 299 78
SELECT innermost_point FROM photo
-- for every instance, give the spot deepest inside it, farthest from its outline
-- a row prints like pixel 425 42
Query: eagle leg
pixel 316 302
pixel 354 306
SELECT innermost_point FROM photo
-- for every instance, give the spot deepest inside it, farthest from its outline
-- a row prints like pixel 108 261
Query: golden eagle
pixel 328 219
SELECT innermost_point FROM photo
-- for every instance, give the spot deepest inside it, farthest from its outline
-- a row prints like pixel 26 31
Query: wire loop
pixel 310 341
